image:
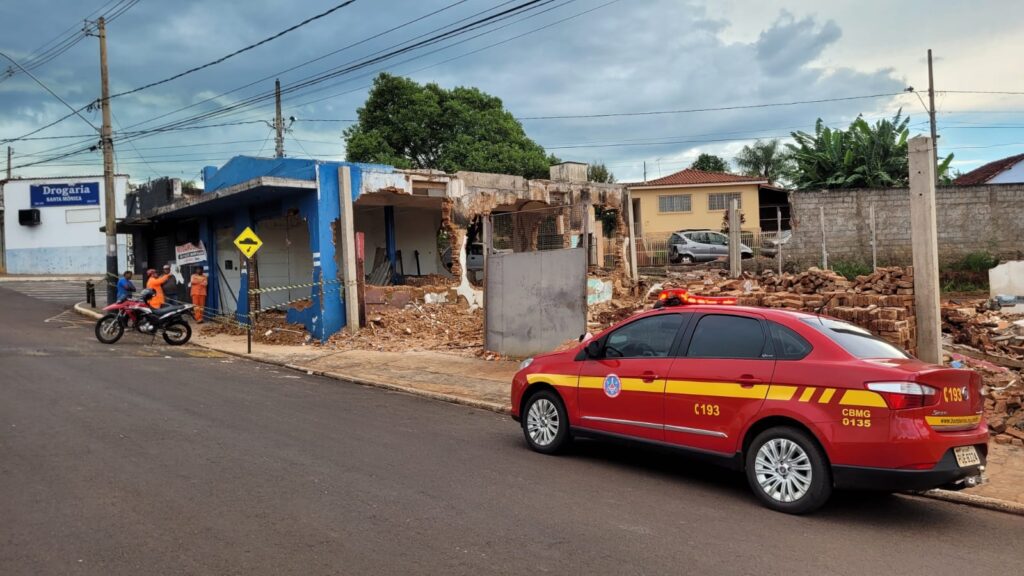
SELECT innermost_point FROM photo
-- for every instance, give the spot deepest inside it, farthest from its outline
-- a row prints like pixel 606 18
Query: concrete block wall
pixel 970 219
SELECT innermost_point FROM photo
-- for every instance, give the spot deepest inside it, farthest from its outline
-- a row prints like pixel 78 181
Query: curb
pixel 84 309
pixel 985 502
pixel 974 500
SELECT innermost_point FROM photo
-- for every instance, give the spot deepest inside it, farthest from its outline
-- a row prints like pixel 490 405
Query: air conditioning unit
pixel 29 217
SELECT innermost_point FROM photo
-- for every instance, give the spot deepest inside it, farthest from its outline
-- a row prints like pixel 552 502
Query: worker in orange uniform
pixel 198 291
pixel 157 284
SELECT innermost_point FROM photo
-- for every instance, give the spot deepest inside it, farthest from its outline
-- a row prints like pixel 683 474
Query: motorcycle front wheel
pixel 177 333
pixel 109 329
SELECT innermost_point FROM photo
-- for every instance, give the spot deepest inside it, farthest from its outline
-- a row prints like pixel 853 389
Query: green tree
pixel 598 172
pixel 710 163
pixel 409 125
pixel 863 156
pixel 767 159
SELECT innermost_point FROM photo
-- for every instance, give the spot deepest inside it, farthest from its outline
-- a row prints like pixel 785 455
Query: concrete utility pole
pixel 931 116
pixel 10 153
pixel 278 121
pixel 107 141
pixel 924 239
pixel 347 239
pixel 735 256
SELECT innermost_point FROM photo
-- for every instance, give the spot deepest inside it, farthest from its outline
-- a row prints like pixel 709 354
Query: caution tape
pixel 255 291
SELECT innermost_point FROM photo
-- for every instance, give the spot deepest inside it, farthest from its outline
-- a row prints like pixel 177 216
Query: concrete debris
pixel 447 327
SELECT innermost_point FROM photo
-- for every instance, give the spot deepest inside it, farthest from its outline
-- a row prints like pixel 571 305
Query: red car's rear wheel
pixel 787 470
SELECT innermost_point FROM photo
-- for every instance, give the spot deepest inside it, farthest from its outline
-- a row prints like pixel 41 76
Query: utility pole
pixel 924 241
pixel 278 121
pixel 931 116
pixel 107 141
pixel 645 171
pixel 10 153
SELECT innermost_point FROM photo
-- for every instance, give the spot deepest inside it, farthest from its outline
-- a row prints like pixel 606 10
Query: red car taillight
pixel 904 395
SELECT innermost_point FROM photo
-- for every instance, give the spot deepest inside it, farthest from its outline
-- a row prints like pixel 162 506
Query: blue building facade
pixel 252 192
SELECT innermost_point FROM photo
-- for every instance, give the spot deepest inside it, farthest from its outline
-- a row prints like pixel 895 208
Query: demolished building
pixel 333 232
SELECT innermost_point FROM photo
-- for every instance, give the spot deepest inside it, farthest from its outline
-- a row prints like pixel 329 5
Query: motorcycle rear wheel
pixel 177 333
pixel 109 329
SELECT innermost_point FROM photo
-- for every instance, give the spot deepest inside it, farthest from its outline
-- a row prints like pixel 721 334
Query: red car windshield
pixel 854 339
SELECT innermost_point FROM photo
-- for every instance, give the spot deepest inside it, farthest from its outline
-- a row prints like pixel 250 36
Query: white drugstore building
pixel 52 225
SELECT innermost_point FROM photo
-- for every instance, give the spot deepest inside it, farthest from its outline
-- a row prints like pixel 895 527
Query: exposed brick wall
pixel 970 219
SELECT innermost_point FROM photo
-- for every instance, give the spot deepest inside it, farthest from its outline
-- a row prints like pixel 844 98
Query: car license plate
pixel 966 456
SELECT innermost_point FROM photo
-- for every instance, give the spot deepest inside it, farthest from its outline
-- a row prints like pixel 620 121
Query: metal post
pixel 735 256
pixel 248 307
pixel 107 141
pixel 874 243
pixel 924 239
pixel 278 121
pixel 778 237
pixel 824 248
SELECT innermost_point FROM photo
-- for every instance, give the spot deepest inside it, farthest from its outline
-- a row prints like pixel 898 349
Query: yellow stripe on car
pixel 718 389
pixel 777 392
pixel 955 421
pixel 808 393
pixel 826 396
pixel 862 398
pixel 553 379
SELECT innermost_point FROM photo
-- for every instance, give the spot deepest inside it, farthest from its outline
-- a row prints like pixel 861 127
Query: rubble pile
pixel 812 281
pixel 448 327
pixel 268 328
pixel 986 330
pixel 1003 391
pixel 882 302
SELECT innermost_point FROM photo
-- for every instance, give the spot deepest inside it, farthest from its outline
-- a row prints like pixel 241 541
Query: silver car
pixel 701 246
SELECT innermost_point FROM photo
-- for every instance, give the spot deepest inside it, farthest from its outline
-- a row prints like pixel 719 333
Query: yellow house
pixel 695 199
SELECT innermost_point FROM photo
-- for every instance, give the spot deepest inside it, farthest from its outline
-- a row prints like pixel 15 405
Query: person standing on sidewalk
pixel 198 291
pixel 125 288
pixel 171 286
pixel 157 284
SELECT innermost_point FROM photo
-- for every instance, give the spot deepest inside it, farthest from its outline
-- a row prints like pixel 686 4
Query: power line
pixel 714 109
pixel 302 64
pixel 339 71
pixel 241 50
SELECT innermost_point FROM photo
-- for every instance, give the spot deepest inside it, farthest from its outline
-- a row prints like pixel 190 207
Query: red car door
pixel 622 391
pixel 719 380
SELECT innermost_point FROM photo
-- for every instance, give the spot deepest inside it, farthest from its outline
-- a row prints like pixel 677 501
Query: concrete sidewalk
pixel 470 381
pixel 485 384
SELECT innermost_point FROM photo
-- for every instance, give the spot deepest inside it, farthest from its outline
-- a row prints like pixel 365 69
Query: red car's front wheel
pixel 545 423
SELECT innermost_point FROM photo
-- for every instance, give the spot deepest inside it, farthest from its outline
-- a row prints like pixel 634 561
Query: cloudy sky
pixel 604 58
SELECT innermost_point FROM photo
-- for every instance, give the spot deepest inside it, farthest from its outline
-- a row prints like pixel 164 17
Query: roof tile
pixel 691 176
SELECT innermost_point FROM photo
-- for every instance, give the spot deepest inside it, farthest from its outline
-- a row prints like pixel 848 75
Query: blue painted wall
pixel 320 209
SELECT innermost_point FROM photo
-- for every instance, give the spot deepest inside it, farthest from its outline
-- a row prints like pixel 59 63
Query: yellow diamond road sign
pixel 248 242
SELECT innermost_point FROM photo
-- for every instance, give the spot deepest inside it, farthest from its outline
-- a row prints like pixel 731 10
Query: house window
pixel 674 203
pixel 720 201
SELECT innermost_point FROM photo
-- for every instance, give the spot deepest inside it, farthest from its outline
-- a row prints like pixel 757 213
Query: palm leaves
pixel 863 156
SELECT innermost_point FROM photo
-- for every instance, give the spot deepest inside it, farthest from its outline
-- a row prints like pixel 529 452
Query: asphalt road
pixel 142 459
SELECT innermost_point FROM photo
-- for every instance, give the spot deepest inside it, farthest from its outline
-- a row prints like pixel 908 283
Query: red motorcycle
pixel 136 313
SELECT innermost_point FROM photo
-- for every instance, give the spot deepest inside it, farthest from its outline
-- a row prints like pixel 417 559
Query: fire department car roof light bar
pixel 904 395
pixel 680 297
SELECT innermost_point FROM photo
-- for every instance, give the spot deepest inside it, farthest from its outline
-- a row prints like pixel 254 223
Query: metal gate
pixel 535 289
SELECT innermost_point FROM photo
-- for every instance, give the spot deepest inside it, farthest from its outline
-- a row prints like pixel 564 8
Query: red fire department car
pixel 801 403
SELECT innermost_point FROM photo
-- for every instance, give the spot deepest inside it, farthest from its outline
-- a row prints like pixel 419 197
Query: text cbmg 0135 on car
pixel 802 403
